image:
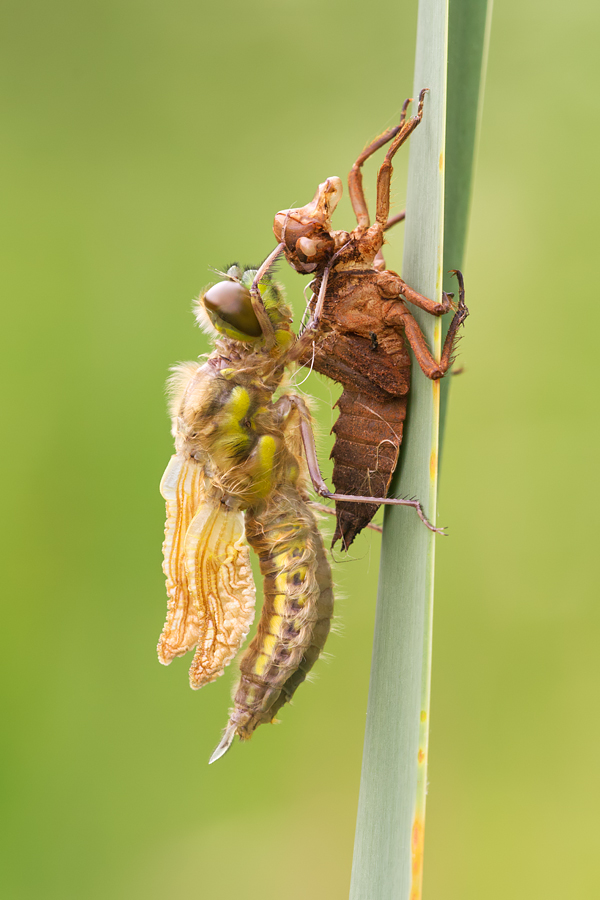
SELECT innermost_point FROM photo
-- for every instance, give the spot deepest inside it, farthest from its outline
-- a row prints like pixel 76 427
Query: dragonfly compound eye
pixel 229 303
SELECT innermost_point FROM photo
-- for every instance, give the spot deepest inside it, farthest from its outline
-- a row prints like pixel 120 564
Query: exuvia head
pixel 306 231
pixel 226 307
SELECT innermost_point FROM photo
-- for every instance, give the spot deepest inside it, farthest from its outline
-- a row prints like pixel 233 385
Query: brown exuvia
pixel 360 328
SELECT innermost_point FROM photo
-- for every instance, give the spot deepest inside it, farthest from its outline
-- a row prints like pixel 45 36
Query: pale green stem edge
pixel 388 849
pixel 469 29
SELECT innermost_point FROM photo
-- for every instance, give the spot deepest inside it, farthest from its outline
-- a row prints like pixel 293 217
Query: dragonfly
pixel 239 479
pixel 362 328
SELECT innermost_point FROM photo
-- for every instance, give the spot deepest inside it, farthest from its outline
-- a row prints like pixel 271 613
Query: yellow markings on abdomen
pixel 296 612
pixel 275 623
pixel 285 600
pixel 261 664
pixel 281 584
pixel 279 603
pixel 269 642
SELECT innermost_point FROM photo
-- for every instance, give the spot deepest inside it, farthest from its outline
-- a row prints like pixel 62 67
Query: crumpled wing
pixel 182 486
pixel 209 578
pixel 217 563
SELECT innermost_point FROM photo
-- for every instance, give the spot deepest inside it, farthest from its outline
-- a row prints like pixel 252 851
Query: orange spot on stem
pixel 417 848
pixel 433 464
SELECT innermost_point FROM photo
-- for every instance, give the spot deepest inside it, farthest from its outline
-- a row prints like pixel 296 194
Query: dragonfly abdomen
pixel 296 614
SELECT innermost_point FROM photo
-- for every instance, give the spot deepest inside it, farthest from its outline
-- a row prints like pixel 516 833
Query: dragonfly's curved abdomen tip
pixel 225 744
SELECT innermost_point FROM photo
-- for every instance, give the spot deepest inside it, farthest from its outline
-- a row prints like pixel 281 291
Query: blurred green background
pixel 145 142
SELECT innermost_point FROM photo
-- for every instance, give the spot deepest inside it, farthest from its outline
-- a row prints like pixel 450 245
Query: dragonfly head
pixel 306 231
pixel 226 307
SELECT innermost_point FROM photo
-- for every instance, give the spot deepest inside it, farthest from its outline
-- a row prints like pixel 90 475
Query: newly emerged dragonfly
pixel 239 477
pixel 361 327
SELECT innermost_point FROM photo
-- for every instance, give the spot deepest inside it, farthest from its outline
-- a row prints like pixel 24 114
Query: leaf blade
pixel 384 865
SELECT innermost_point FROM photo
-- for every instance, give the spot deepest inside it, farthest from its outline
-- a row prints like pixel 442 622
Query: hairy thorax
pixel 226 419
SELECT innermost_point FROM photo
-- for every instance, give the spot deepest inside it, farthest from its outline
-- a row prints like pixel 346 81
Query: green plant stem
pixel 388 851
pixel 389 831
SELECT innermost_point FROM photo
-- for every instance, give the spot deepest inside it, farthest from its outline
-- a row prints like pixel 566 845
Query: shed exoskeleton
pixel 361 327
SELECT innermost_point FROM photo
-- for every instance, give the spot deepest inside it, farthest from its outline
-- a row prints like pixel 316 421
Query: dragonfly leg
pixel 393 287
pixel 308 335
pixel 322 507
pixel 385 172
pixel 257 300
pixel 319 482
pixel 399 315
pixel 355 185
pixel 393 220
